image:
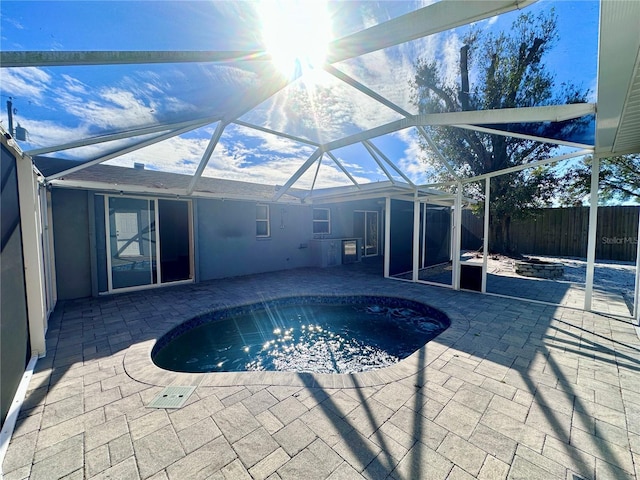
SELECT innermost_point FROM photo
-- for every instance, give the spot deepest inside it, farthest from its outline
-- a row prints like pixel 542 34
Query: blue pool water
pixel 302 334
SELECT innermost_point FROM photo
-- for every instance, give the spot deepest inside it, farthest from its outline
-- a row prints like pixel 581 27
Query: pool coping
pixel 139 365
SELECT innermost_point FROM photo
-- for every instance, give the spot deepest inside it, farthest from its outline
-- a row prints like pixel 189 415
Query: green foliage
pixel 619 181
pixel 510 73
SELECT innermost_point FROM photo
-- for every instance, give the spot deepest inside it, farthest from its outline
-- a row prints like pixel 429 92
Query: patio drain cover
pixel 171 397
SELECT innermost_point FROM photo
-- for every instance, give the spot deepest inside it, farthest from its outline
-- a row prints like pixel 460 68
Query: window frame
pixel 322 221
pixel 266 220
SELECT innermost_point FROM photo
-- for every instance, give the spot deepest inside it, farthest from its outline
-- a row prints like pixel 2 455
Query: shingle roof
pixel 163 182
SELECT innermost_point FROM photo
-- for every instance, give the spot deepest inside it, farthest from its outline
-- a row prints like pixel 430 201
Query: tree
pixel 619 180
pixel 510 73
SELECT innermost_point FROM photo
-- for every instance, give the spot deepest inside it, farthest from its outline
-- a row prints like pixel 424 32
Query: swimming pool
pixel 319 334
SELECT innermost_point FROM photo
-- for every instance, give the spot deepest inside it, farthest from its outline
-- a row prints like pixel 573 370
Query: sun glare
pixel 296 34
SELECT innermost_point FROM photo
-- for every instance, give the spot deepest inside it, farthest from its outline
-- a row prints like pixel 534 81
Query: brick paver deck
pixel 512 390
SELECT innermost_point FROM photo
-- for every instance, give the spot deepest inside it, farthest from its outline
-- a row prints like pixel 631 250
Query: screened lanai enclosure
pixel 164 142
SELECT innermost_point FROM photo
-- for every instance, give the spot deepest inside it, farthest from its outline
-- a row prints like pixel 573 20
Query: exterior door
pixel 132 242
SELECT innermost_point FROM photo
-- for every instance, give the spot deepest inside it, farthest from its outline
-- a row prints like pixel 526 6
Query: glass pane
pixel 262 212
pixel 320 214
pixel 175 245
pixel 401 240
pixel 371 244
pixel 435 244
pixel 320 227
pixel 132 241
pixel 262 228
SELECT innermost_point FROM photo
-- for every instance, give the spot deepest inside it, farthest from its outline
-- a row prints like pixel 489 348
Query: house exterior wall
pixel 227 244
pixel 225 240
pixel 342 217
pixel 71 243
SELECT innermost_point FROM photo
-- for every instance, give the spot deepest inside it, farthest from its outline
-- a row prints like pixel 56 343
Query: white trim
pixel 327 221
pixel 14 410
pixel 267 219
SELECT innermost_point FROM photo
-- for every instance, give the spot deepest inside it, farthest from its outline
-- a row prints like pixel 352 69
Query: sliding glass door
pixel 132 242
pixel 365 226
pixel 140 231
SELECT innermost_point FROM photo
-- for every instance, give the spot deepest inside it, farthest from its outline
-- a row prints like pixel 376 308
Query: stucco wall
pixel 71 243
pixel 228 246
pixel 342 216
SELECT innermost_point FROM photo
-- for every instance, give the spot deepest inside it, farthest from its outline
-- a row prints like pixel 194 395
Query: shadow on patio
pixel 513 390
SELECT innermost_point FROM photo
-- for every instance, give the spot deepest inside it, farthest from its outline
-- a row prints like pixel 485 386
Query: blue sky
pixel 61 104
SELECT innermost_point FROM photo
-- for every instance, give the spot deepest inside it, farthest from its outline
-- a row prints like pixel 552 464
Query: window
pixel 321 221
pixel 262 221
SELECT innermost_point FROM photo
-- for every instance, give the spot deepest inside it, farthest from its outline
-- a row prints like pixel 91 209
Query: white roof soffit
pixel 618 117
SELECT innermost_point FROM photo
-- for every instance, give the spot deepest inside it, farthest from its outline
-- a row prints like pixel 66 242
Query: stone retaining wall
pixel 539 270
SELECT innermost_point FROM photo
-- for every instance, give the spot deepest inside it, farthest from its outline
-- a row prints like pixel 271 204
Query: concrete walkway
pixel 511 390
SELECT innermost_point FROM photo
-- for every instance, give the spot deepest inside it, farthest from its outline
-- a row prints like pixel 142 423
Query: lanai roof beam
pixel 391 164
pixel 275 132
pixel 377 160
pixel 122 135
pixel 215 138
pixel 344 170
pixel 523 136
pixel 122 151
pixel 294 178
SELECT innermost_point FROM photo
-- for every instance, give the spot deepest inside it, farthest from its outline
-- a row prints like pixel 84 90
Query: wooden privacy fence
pixel 563 232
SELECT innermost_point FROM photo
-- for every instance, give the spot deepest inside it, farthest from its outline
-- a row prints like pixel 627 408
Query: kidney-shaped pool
pixel 319 334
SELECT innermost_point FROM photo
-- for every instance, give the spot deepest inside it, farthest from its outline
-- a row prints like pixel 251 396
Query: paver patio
pixel 511 390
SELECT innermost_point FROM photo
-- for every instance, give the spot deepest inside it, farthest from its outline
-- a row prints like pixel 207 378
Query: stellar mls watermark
pixel 620 240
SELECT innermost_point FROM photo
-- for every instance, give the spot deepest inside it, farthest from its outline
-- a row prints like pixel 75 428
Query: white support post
pixel 424 237
pixel 485 240
pixel 636 298
pixel 593 224
pixel 387 235
pixel 457 237
pixel 32 253
pixel 416 237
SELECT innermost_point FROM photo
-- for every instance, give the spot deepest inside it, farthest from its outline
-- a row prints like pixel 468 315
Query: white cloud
pixel 111 108
pixel 31 82
pixel 450 69
pixel 74 85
